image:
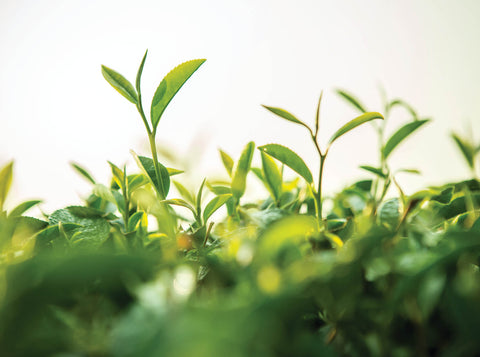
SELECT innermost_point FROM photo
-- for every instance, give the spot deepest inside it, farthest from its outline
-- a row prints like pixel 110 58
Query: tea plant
pixel 126 274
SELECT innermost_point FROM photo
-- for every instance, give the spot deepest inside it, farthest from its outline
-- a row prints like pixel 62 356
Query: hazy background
pixel 55 105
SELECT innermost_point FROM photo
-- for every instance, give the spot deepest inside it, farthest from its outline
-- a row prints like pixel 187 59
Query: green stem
pixel 153 149
pixel 127 202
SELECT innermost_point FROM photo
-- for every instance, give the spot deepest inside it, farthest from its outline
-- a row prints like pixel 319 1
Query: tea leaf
pixel 240 171
pixel 354 123
pixel 133 221
pixel 272 175
pixel 375 170
pixel 120 83
pixel 352 100
pixel 147 166
pixel 402 103
pixel 5 182
pixel 198 199
pixel 103 192
pixel 285 115
pixel 169 86
pixel 401 134
pixel 184 192
pixel 214 205
pixel 289 158
pixel 180 202
pixel 139 73
pixel 83 172
pixel 227 161
pixel 466 148
pixel 118 175
pixel 23 207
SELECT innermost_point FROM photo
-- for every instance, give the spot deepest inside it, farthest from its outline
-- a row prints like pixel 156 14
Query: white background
pixel 56 107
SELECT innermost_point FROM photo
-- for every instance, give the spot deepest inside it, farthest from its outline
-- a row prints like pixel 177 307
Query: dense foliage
pixel 138 272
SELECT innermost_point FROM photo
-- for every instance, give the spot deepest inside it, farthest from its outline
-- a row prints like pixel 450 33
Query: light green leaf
pixel 169 86
pixel 401 134
pixel 83 172
pixel 227 161
pixel 289 158
pixel 184 192
pixel 118 175
pixel 103 192
pixel 352 100
pixel 285 115
pixel 6 175
pixel 272 175
pixel 466 148
pixel 139 73
pixel 354 123
pixel 214 205
pixel 173 172
pixel 389 213
pixel 180 202
pixel 402 103
pixel 120 83
pixel 240 171
pixel 198 199
pixel 23 207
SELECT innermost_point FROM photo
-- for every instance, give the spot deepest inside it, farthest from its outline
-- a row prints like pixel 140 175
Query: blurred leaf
pixel 352 100
pixel 120 83
pixel 118 175
pixel 402 103
pixel 400 135
pixel 6 174
pixel 466 148
pixel 374 170
pixel 83 172
pixel 23 207
pixel 353 124
pixel 133 220
pixel 169 86
pixel 289 158
pixel 389 213
pixel 139 73
pixel 181 203
pixel 240 170
pixel 184 192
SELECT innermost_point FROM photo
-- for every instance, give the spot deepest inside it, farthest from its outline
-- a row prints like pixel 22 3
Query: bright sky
pixel 56 107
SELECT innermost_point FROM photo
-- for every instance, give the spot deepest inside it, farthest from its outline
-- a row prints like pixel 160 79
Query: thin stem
pixel 125 198
pixel 319 189
pixel 153 149
pixel 142 114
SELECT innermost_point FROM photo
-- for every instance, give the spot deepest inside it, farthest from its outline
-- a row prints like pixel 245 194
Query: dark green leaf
pixel 214 205
pixel 389 213
pixel 285 115
pixel 374 170
pixel 169 86
pixel 120 83
pixel 353 124
pixel 240 171
pixel 147 165
pixel 401 134
pixel 289 158
pixel 83 172
pixel 273 177
pixel 133 220
pixel 352 100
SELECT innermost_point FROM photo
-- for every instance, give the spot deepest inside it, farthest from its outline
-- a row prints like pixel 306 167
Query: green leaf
pixel 214 205
pixel 147 166
pixel 133 221
pixel 5 182
pixel 180 202
pixel 227 161
pixel 103 192
pixel 374 170
pixel 83 172
pixel 285 115
pixel 173 172
pixel 93 230
pixel 402 103
pixel 354 123
pixel 240 171
pixel 136 181
pixel 139 73
pixel 289 158
pixel 198 199
pixel 272 175
pixel 466 148
pixel 352 100
pixel 184 192
pixel 336 224
pixel 401 134
pixel 389 213
pixel 23 207
pixel 409 171
pixel 258 172
pixel 121 84
pixel 118 175
pixel 169 86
